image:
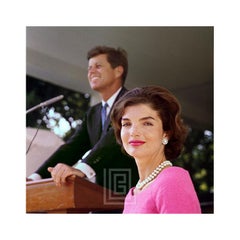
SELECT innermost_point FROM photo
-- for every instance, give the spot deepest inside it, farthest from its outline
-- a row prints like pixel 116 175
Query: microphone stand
pixel 44 107
pixel 43 112
pixel 46 103
pixel 32 109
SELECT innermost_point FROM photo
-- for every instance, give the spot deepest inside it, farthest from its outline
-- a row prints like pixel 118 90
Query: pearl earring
pixel 164 141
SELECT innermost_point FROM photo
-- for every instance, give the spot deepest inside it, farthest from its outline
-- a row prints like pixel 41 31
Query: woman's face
pixel 142 132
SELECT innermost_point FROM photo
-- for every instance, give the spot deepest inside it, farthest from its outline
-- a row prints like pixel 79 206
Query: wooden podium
pixel 77 195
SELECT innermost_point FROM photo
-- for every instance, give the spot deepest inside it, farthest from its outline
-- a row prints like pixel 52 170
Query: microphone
pixel 46 103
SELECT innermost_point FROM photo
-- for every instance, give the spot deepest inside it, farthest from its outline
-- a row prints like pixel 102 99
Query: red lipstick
pixel 136 142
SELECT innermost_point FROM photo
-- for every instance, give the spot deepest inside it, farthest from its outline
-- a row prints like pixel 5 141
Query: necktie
pixel 104 114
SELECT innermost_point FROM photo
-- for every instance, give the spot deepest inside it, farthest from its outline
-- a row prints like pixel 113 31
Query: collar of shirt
pixel 111 100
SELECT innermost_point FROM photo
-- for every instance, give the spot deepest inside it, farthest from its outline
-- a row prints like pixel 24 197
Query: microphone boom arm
pixel 46 103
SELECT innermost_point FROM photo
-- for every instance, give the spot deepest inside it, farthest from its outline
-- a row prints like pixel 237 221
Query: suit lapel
pixel 107 124
pixel 97 124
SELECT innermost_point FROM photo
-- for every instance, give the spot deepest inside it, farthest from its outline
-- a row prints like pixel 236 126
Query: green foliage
pixel 61 117
pixel 64 116
pixel 197 158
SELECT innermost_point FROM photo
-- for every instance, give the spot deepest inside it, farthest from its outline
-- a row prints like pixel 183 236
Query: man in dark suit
pixel 105 163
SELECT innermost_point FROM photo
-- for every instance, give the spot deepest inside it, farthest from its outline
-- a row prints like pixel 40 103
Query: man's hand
pixel 61 171
pixel 28 179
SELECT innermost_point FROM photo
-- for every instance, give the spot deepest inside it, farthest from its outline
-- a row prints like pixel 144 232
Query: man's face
pixel 100 73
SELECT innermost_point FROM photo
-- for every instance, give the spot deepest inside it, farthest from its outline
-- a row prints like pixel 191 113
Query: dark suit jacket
pixel 114 168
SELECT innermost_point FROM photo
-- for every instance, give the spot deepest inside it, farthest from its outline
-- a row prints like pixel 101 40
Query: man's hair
pixel 116 57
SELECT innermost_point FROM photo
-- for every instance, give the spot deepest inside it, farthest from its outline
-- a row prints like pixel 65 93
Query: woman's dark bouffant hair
pixel 169 110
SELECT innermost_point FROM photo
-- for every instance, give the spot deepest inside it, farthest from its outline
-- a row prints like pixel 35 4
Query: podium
pixel 77 195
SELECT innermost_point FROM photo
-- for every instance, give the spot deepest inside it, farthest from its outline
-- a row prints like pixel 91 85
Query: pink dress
pixel 171 192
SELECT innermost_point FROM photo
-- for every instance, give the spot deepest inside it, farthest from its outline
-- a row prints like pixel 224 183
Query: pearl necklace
pixel 153 175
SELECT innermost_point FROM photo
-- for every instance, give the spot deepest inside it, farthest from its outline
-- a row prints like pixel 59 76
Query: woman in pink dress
pixel 148 124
